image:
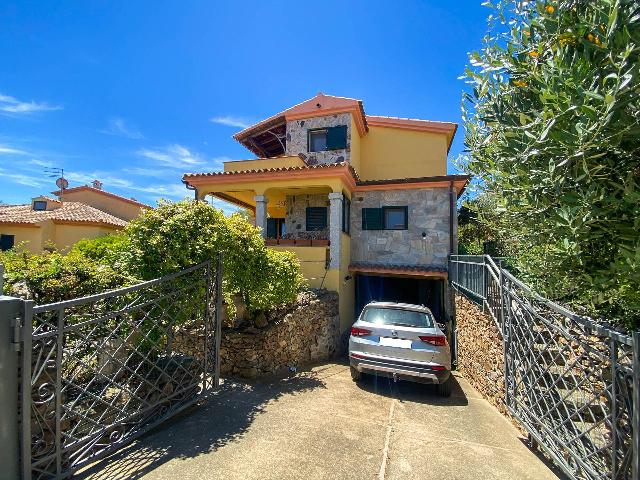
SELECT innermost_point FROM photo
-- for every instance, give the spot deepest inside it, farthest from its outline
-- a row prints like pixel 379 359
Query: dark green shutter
pixel 337 137
pixel 316 218
pixel 372 219
pixel 272 228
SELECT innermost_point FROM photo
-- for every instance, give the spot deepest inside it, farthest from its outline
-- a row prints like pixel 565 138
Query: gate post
pixel 635 423
pixel 11 314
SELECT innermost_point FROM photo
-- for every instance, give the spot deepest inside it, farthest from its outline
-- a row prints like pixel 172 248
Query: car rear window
pixel 397 316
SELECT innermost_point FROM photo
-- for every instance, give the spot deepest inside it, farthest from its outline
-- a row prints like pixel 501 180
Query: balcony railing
pixel 297 242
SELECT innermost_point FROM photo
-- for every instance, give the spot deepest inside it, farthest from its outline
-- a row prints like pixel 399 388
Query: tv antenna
pixel 58 174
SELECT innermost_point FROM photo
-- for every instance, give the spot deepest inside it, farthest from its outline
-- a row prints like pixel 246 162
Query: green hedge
pixel 163 240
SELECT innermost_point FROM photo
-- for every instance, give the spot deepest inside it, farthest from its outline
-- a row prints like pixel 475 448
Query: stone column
pixel 261 213
pixel 335 227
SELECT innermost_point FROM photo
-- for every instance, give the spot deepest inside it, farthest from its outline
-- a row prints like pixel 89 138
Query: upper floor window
pixel 330 138
pixel 40 205
pixel 385 218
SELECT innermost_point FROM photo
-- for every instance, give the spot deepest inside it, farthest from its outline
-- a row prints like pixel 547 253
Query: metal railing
pixel 572 384
pixel 98 371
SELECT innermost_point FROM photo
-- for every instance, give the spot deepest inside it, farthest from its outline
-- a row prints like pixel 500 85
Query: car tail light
pixel 360 332
pixel 438 368
pixel 437 340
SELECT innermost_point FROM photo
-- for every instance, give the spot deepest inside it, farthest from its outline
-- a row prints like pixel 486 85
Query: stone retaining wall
pixel 480 351
pixel 307 332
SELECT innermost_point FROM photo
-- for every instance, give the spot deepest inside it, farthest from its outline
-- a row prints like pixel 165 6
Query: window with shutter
pixel 372 219
pixel 337 137
pixel 316 218
pixel 396 218
pixel 330 138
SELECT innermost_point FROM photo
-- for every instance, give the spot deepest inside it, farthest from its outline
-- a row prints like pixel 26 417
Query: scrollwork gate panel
pixel 106 368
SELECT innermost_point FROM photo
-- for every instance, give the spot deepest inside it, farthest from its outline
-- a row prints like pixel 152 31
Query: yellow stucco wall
pixel 313 261
pixel 389 153
pixel 65 236
pixel 113 206
pixel 31 235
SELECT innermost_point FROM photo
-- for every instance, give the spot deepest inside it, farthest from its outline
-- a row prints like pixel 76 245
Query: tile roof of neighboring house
pixel 398 269
pixel 72 212
pixel 102 192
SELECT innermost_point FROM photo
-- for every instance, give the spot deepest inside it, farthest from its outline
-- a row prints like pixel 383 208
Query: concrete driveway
pixel 319 424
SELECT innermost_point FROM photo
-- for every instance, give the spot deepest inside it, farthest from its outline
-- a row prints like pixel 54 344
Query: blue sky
pixel 137 93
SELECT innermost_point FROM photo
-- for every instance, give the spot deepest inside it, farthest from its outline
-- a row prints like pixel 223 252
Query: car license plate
pixel 395 342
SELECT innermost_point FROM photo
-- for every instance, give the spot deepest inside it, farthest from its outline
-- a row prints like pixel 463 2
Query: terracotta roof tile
pixel 68 212
pixel 319 166
pixel 102 192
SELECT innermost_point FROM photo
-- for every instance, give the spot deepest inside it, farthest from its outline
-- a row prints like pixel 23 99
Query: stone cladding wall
pixel 428 213
pixel 297 135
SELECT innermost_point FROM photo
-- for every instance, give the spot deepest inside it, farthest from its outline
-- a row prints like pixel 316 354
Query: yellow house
pixel 82 212
pixel 364 201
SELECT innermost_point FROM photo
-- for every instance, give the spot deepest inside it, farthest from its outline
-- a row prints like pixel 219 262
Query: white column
pixel 261 213
pixel 335 227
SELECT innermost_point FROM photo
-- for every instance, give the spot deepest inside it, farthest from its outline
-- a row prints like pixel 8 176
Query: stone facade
pixel 306 333
pixel 296 215
pixel 426 242
pixel 297 135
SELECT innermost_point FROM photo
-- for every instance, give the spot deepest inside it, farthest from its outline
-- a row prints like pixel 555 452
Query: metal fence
pixel 97 372
pixel 572 384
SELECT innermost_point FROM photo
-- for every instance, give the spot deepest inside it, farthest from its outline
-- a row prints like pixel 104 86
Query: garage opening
pixel 419 291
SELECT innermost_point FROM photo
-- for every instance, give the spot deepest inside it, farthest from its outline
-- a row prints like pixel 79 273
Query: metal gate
pixel 97 372
pixel 572 384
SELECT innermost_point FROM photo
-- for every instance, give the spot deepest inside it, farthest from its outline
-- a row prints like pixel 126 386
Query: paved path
pixel 319 424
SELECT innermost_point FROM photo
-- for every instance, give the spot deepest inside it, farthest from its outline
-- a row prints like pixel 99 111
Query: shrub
pixel 176 235
pixel 105 250
pixel 52 277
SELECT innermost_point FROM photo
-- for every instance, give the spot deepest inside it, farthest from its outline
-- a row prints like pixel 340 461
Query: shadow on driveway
pixel 412 391
pixel 222 419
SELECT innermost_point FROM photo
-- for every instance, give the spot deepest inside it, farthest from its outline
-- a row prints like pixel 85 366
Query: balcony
pixel 297 242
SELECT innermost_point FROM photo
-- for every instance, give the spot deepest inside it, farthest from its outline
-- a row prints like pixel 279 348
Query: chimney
pixel 97 184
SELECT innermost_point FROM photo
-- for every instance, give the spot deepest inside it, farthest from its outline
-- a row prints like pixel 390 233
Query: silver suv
pixel 401 341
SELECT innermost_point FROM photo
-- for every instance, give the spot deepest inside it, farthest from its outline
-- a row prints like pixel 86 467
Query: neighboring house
pixel 364 201
pixel 62 222
pixel 121 207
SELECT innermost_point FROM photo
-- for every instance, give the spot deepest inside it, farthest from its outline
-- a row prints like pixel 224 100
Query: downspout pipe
pixel 191 187
pixel 452 212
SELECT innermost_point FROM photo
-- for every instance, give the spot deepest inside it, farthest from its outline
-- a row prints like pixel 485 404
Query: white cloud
pixel 176 156
pixel 231 121
pixel 24 179
pixel 118 127
pixel 7 150
pixel 41 163
pixel 12 106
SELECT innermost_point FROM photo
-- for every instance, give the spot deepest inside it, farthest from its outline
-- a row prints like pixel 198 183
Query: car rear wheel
pixel 355 375
pixel 444 389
